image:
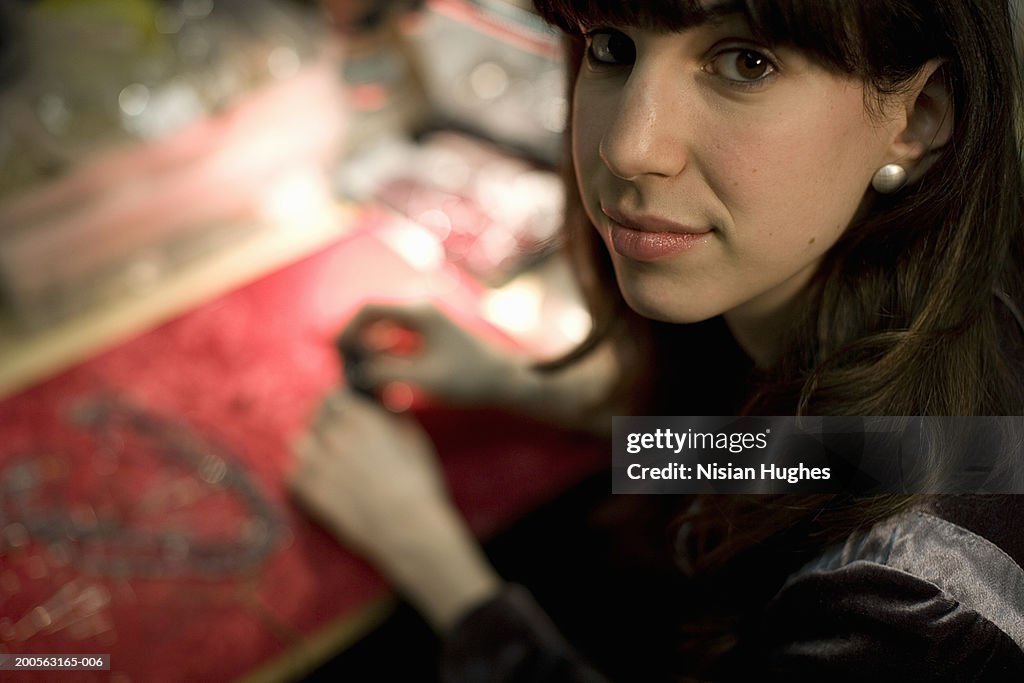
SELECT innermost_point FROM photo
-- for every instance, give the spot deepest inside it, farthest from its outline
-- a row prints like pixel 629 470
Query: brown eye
pixel 751 65
pixel 610 47
pixel 742 66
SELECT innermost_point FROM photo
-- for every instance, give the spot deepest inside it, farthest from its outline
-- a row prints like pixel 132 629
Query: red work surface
pixel 238 377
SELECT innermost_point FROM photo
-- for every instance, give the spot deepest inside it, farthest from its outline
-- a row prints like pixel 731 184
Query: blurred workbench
pixel 28 355
pixel 136 453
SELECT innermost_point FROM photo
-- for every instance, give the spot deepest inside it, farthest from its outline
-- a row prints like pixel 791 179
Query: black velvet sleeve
pixel 869 622
pixel 861 622
pixel 509 639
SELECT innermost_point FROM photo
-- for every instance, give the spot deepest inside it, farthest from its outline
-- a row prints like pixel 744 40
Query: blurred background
pixel 142 138
pixel 195 197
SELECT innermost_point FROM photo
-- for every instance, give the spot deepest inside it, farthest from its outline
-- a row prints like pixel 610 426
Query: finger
pixel 300 446
pixel 308 468
pixel 423 318
pixel 345 414
pixel 333 416
pixel 352 403
pixel 385 370
pixel 312 455
pixel 332 407
pixel 374 313
pixel 429 320
pixel 397 397
pixel 371 334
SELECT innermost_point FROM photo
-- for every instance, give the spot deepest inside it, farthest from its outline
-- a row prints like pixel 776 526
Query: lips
pixel 651 238
pixel 650 223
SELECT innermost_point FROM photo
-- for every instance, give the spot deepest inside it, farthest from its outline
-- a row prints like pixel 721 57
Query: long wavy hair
pixel 911 312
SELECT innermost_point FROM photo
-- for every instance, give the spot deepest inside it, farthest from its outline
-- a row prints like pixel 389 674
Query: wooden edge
pixel 31 357
pixel 300 660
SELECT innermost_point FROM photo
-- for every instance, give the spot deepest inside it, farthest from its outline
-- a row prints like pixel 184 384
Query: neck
pixel 761 325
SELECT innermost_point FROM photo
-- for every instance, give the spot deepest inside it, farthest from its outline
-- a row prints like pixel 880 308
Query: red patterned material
pixel 244 372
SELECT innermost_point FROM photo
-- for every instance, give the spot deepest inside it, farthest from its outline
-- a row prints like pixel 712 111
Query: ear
pixel 927 118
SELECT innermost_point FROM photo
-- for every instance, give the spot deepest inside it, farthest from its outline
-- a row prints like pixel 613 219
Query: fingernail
pixel 398 397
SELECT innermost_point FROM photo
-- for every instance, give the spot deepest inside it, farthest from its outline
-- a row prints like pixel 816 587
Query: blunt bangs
pixel 668 15
pixel 848 36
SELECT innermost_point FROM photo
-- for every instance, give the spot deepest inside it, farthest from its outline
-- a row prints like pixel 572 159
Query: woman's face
pixel 718 171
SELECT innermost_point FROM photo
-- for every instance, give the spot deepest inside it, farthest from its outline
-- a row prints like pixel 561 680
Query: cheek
pixel 589 119
pixel 795 174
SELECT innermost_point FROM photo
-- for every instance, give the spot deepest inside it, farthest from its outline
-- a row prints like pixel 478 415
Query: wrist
pixel 456 596
pixel 522 386
pixel 441 569
pixel 571 397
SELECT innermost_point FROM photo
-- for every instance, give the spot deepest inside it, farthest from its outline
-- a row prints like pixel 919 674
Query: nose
pixel 644 138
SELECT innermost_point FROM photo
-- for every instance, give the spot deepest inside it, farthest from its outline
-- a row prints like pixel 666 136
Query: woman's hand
pixel 372 478
pixel 365 472
pixel 421 346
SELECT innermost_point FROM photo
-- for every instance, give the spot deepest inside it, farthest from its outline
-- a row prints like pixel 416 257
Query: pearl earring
pixel 890 178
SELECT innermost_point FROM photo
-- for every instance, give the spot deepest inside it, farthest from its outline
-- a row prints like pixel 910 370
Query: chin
pixel 677 307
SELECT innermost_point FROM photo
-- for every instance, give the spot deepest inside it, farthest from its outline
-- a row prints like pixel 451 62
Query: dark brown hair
pixel 901 317
pixel 907 314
